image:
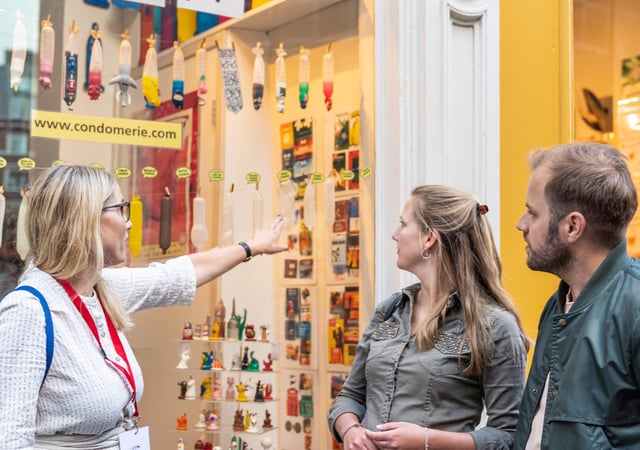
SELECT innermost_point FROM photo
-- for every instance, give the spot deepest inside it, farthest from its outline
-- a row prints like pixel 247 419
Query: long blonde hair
pixel 63 227
pixel 467 259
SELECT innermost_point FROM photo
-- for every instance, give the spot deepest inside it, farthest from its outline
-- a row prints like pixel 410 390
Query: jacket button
pixel 554 393
pixel 534 390
pixel 562 322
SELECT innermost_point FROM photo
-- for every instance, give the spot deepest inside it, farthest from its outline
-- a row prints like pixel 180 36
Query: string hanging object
pixel 3 204
pixel 327 78
pixel 18 52
pixel 47 52
pixel 150 76
pixel 258 210
pixel 227 218
pixel 201 58
pixel 135 232
pixel 123 79
pixel 95 67
pixel 177 90
pixel 166 217
pixel 281 78
pixel 71 66
pixel 199 232
pixel 22 244
pixel 258 75
pixel 94 35
pixel 230 77
pixel 303 77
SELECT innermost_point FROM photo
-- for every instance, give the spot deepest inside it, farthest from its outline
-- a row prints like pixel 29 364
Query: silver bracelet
pixel 344 433
pixel 426 438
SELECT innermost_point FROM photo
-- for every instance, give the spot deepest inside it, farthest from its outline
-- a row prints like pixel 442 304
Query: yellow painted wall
pixel 535 112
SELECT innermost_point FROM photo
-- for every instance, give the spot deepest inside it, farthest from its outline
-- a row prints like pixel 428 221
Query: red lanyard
pixel 115 338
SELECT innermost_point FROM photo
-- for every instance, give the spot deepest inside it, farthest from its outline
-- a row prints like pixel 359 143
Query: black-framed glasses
pixel 125 209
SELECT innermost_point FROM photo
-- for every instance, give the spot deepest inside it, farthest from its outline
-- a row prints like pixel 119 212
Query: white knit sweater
pixel 82 395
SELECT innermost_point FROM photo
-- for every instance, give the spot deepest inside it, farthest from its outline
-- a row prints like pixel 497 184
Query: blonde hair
pixel 467 259
pixel 63 228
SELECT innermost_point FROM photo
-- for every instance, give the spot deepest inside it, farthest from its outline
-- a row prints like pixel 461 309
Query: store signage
pixel 144 133
pixel 228 8
pixel 160 3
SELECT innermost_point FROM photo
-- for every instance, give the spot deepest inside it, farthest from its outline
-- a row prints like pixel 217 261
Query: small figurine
pixel 267 363
pixel 267 419
pixel 259 397
pixel 250 332
pixel 217 389
pixel 245 359
pixel 183 389
pixel 268 389
pixel 242 389
pixel 205 331
pixel 180 445
pixel 182 422
pixel 199 445
pixel 231 392
pixel 235 362
pixel 205 389
pixel 215 332
pixel 217 364
pixel 187 332
pixel 264 333
pixel 201 424
pixel 191 389
pixel 185 356
pixel 213 422
pixel 266 443
pixel 247 420
pixel 238 420
pixel 218 319
pixel 253 423
pixel 254 365
pixel 207 360
pixel 197 331
pixel 292 398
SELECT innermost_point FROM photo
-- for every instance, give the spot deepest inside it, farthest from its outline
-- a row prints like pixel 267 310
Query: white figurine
pixel 266 443
pixel 191 389
pixel 185 356
pixel 201 424
pixel 253 423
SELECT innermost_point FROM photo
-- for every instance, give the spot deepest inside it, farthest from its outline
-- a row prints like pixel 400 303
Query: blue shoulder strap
pixel 48 322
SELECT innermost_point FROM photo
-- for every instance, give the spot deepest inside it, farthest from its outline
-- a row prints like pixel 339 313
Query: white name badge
pixel 135 439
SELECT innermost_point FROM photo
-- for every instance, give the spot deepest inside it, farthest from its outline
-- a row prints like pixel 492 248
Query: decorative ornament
pixel 94 86
pixel 201 58
pixel 177 91
pixel 231 78
pixel 47 52
pixel 123 79
pixel 19 51
pixel 199 233
pixel 71 66
pixel 327 78
pixel 150 76
pixel 258 76
pixel 135 232
pixel 281 78
pixel 303 77
pixel 166 217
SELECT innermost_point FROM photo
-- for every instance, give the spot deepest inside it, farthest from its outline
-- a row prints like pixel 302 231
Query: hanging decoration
pixel 199 232
pixel 227 218
pixel 258 75
pixel 303 77
pixel 230 77
pixel 281 78
pixel 123 79
pixel 177 90
pixel 309 202
pixel 71 66
pixel 166 218
pixel 95 31
pixel 150 76
pixel 3 204
pixel 22 245
pixel 47 52
pixel 19 51
pixel 287 199
pixel 258 210
pixel 95 87
pixel 327 78
pixel 227 222
pixel 201 59
pixel 135 232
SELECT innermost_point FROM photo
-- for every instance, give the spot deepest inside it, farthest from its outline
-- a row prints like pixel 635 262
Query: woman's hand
pixel 356 439
pixel 398 435
pixel 266 240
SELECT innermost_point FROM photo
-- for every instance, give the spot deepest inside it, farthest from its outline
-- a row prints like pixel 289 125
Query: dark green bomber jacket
pixel 592 355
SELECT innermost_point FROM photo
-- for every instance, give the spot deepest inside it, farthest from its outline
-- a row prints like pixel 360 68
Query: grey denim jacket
pixel 391 380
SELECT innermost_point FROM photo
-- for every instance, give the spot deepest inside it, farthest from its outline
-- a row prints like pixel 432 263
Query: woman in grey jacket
pixel 437 352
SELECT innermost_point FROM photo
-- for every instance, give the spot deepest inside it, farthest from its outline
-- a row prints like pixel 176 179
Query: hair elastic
pixel 482 209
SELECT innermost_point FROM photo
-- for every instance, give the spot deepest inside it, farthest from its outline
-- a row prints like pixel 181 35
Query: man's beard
pixel 552 257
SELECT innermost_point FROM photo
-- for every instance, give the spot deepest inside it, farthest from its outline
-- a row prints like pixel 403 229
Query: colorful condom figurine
pixel 71 66
pixel 47 52
pixel 123 79
pixel 327 78
pixel 135 232
pixel 258 76
pixel 22 245
pixel 303 77
pixel 201 60
pixel 281 79
pixel 150 76
pixel 95 87
pixel 18 52
pixel 166 217
pixel 199 232
pixel 177 89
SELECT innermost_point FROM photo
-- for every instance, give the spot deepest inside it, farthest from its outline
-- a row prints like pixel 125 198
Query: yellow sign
pixel 216 175
pixel 183 172
pixel 26 164
pixel 284 175
pixel 146 133
pixel 253 177
pixel 122 172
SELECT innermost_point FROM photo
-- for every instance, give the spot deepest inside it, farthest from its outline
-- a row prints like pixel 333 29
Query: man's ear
pixel 573 226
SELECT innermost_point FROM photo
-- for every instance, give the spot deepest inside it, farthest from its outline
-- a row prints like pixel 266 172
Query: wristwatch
pixel 247 250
